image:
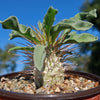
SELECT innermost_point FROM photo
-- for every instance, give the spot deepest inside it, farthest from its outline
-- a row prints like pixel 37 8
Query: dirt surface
pixel 71 84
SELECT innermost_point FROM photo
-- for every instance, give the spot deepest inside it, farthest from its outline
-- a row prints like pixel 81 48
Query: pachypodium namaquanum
pixel 47 46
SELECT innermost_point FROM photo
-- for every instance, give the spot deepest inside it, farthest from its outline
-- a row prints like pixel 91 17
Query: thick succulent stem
pixel 54 71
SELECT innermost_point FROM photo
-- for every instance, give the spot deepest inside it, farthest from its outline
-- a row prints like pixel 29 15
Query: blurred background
pixel 29 12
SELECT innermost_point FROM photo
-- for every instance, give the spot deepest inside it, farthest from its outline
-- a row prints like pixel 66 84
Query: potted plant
pixel 48 50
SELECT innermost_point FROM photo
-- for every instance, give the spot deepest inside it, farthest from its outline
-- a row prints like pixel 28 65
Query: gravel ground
pixel 71 84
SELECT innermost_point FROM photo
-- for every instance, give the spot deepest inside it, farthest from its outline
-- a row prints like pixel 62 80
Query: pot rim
pixel 70 96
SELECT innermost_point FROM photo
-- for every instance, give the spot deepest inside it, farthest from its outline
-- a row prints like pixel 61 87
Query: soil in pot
pixel 25 84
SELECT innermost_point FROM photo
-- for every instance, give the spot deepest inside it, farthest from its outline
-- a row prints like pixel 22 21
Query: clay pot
pixel 91 94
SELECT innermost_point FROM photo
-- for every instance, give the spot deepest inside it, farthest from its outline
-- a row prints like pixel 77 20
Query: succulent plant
pixel 48 46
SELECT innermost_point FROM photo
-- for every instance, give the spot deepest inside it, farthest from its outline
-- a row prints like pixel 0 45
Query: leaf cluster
pixel 51 38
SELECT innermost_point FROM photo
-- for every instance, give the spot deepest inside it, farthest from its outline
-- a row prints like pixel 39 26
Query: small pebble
pixel 57 90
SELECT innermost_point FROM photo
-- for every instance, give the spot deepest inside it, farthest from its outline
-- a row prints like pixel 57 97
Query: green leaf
pixel 40 25
pixel 19 30
pixel 79 38
pixel 48 20
pixel 86 15
pixel 39 56
pixel 76 23
pixel 21 48
pixel 63 35
pixel 65 32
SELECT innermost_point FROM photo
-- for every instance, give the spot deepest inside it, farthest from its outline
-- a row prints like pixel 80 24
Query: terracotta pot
pixel 91 94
